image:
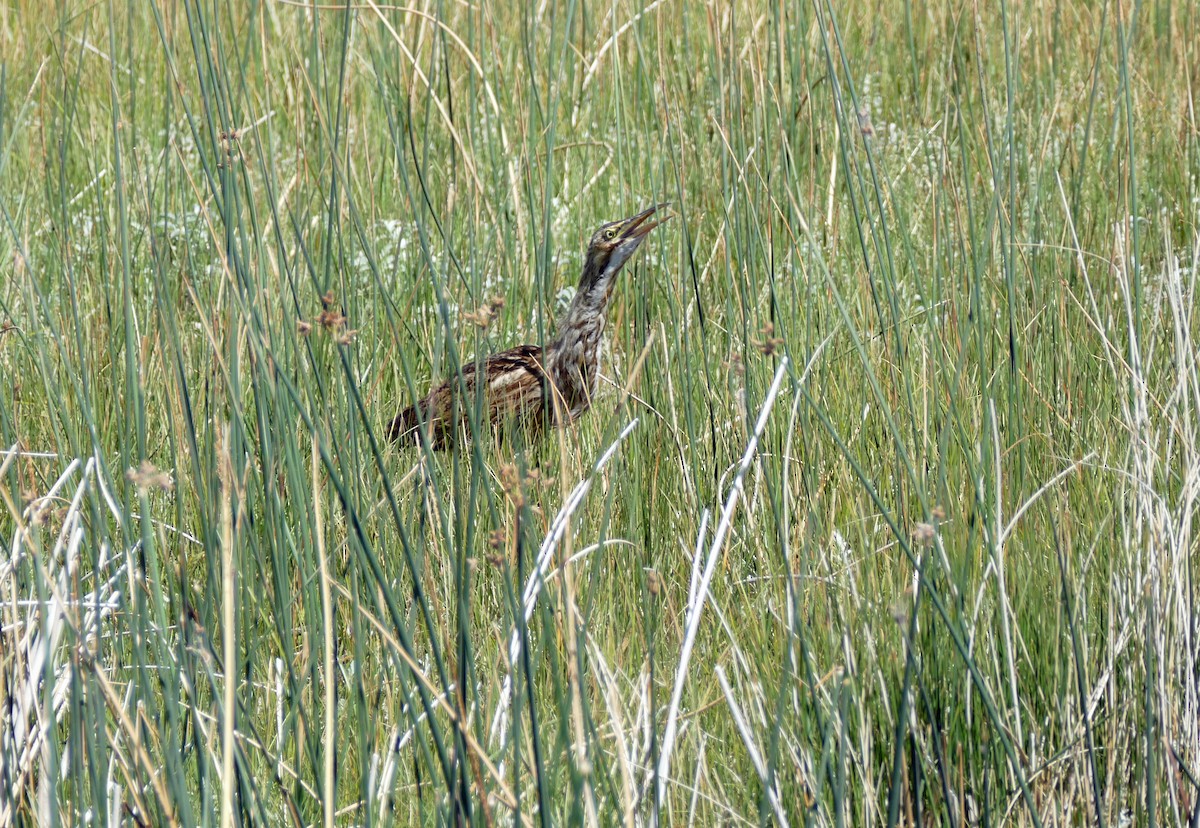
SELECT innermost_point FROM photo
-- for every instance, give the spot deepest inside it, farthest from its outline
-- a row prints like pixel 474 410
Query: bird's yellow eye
pixel 610 233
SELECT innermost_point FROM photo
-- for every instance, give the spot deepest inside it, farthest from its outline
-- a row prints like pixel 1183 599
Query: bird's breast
pixel 575 372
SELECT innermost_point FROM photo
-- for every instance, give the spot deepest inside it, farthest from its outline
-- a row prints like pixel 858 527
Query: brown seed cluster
pixel 331 317
pixel 147 476
pixel 231 145
pixel 498 541
pixel 737 368
pixel 482 316
pixel 516 488
pixel 510 482
pixel 925 533
pixel 534 477
pixel 331 320
pixel 864 122
pixel 770 343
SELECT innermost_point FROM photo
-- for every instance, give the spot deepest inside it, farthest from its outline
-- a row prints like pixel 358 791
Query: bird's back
pixel 516 389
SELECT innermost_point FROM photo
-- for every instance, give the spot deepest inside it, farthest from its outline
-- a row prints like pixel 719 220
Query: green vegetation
pixel 887 515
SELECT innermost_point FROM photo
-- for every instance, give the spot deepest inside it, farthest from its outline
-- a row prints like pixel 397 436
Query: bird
pixel 531 385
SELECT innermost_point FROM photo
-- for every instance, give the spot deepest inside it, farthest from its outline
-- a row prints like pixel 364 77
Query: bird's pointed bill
pixel 639 225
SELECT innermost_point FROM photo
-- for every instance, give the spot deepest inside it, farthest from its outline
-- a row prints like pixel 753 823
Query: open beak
pixel 639 225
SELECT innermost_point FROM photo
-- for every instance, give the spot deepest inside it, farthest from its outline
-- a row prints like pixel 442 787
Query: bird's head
pixel 613 243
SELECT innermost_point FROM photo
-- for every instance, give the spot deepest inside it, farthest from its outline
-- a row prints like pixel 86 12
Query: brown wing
pixel 515 388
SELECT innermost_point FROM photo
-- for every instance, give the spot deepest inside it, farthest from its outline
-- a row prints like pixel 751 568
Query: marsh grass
pixel 885 513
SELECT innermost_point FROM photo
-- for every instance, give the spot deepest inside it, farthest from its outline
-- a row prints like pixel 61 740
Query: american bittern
pixel 530 385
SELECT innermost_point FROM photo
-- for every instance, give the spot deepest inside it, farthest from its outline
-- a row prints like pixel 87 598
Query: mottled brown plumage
pixel 535 386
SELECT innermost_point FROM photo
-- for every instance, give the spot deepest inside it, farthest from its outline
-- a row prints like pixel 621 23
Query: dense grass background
pixel 886 515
